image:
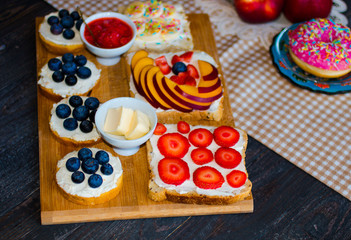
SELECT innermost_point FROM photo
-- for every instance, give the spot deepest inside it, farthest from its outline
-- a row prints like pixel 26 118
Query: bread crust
pixel 72 142
pixel 60 48
pixel 107 196
pixel 157 193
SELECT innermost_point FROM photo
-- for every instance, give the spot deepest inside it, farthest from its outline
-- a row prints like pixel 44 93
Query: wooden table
pixel 289 204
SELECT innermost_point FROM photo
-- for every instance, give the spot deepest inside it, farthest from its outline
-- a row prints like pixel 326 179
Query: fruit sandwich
pixel 198 164
pixel 181 86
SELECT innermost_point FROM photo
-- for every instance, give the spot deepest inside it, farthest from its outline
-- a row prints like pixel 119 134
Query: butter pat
pixel 139 126
pixel 118 120
pixel 131 124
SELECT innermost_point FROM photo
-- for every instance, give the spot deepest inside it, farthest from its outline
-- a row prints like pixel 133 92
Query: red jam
pixel 109 32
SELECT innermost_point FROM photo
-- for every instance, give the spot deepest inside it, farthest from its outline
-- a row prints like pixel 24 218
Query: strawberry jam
pixel 109 32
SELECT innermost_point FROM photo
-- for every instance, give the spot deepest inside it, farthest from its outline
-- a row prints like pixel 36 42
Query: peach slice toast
pixel 178 83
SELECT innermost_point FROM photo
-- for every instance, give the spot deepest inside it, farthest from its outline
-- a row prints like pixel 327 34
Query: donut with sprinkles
pixel 321 47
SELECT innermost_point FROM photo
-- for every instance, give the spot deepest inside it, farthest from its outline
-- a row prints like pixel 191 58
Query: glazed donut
pixel 321 47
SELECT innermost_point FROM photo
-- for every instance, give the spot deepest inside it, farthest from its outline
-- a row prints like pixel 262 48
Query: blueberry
pixel 54 64
pixel 79 23
pixel 67 57
pixel 78 177
pixel 73 164
pixel 69 68
pixel 178 67
pixel 90 165
pixel 92 115
pixel 80 60
pixel 75 101
pixel 70 124
pixel 84 72
pixel 53 20
pixel 92 103
pixel 106 169
pixel 58 76
pixel 84 153
pixel 95 181
pixel 56 29
pixel 75 15
pixel 63 111
pixel 86 126
pixel 68 34
pixel 102 157
pixel 71 80
pixel 81 113
pixel 63 12
pixel 67 22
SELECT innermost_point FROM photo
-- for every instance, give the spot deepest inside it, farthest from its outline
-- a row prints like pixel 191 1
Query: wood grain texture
pixel 132 202
pixel 289 203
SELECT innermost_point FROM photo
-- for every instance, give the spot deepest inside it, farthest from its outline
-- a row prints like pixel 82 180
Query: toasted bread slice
pixel 195 196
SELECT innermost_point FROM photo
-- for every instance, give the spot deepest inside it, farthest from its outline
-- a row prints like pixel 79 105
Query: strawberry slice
pixel 236 178
pixel 173 145
pixel 200 137
pixel 227 157
pixel 226 136
pixel 180 78
pixel 201 156
pixel 192 71
pixel 208 178
pixel 183 127
pixel 161 62
pixel 189 80
pixel 186 57
pixel 175 59
pixel 160 129
pixel 173 170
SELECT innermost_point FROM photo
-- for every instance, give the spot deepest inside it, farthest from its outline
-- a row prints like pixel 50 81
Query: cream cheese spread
pixel 61 88
pixel 56 124
pixel 44 30
pixel 63 177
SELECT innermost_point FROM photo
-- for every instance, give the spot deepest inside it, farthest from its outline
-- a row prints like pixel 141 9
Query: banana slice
pixel 152 30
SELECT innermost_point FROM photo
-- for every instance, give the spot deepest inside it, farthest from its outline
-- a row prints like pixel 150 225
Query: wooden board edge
pixel 141 212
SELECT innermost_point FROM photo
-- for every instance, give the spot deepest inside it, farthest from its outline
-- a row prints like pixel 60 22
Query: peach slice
pixel 192 93
pixel 137 56
pixel 150 89
pixel 144 87
pixel 137 70
pixel 165 96
pixel 171 86
pixel 206 88
pixel 207 70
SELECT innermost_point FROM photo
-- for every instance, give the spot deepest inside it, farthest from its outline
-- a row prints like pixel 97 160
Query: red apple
pixel 258 11
pixel 303 10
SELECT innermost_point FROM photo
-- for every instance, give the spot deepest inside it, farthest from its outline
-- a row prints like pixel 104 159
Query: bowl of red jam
pixel 111 35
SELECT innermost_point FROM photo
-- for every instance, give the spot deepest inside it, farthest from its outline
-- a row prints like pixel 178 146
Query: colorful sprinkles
pixel 322 43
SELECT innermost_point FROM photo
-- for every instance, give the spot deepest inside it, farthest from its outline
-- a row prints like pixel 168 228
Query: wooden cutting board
pixel 132 202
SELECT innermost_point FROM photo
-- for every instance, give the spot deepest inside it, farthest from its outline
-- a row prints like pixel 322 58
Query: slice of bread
pixel 160 26
pixel 187 192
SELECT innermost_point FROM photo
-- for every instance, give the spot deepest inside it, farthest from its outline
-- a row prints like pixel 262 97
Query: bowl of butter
pixel 126 123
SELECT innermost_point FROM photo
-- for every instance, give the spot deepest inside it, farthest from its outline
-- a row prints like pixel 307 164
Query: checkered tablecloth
pixel 311 130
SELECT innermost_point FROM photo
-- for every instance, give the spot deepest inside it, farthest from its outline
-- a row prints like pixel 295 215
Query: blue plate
pixel 288 68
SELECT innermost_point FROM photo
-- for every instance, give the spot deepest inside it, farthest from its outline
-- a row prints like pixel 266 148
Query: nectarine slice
pixel 207 70
pixel 165 96
pixel 137 56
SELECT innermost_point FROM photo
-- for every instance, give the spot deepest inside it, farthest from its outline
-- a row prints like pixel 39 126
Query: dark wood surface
pixel 289 204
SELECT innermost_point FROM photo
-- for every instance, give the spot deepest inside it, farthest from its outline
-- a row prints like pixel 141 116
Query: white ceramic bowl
pixel 121 145
pixel 110 56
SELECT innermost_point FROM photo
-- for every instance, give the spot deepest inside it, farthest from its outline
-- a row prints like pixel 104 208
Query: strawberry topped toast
pixel 198 164
pixel 181 85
